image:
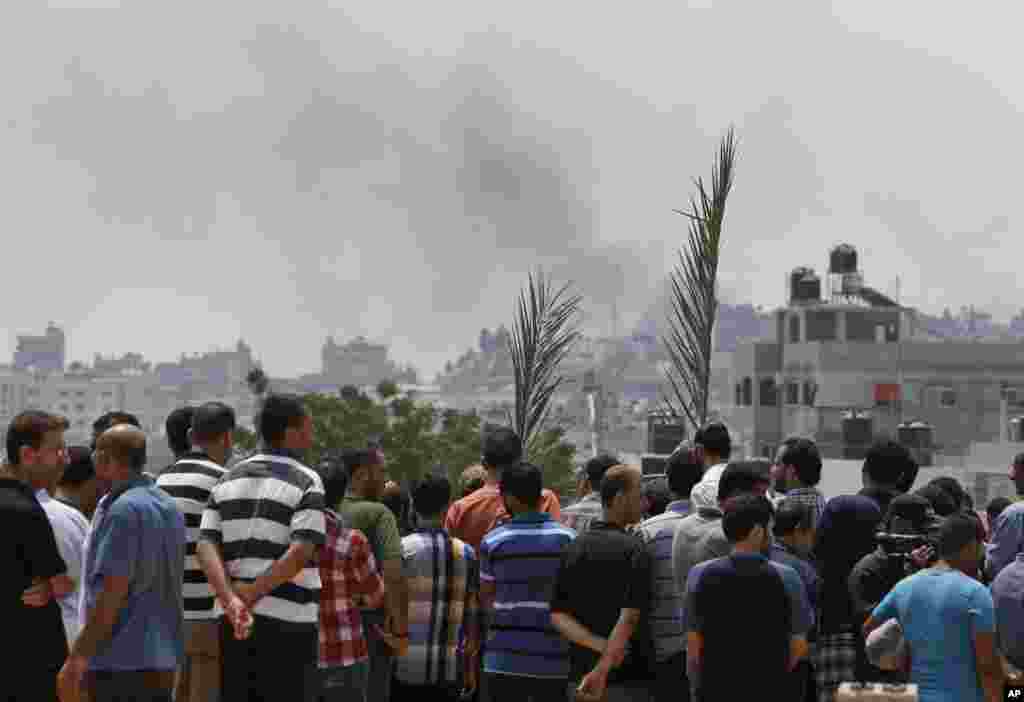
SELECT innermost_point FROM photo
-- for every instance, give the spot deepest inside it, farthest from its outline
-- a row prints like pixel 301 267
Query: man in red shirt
pixel 349 576
pixel 470 518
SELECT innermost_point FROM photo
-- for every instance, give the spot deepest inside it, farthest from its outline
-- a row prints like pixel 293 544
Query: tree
pixel 694 293
pixel 545 331
pixel 387 389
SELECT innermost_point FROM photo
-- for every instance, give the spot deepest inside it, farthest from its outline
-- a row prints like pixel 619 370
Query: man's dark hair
pixel 740 477
pixel 29 429
pixel 397 499
pixel 792 514
pixel 804 456
pixel 655 489
pixel 887 463
pixel 212 420
pixel 957 531
pixel 279 414
pixel 714 438
pixel 111 419
pixel 335 479
pixel 523 481
pixel 80 468
pixel 354 459
pixel 1018 460
pixel 941 501
pixel 995 507
pixel 952 487
pixel 683 471
pixel 596 468
pixel 432 495
pixel 501 447
pixel 744 512
pixel 177 425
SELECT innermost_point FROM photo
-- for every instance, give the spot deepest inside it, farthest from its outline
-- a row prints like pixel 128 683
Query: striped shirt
pixel 260 507
pixel 442 574
pixel 521 558
pixel 578 516
pixel 189 481
pixel 666 617
pixel 810 496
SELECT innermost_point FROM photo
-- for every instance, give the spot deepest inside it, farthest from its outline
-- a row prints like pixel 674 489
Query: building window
pixel 79 408
pixel 748 392
pixel 792 393
pixel 63 393
pixel 739 394
pixel 794 329
pixel 947 398
pixel 769 394
pixel 810 392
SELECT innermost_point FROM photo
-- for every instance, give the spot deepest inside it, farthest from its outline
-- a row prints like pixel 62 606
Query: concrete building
pixel 45 353
pixel 858 350
pixel 360 363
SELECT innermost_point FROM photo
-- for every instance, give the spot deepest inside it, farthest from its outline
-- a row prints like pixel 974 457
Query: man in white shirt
pixel 714 446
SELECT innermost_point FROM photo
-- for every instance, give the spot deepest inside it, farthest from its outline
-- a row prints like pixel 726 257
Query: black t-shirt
pixel 28 550
pixel 602 572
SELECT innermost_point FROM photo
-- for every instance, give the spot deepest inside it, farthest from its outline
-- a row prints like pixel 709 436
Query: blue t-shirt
pixel 940 612
pixel 521 559
pixel 141 536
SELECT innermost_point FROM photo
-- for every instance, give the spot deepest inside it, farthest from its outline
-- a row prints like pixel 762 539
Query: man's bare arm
pixel 99 625
pixel 208 555
pixel 284 568
pixel 990 668
pixel 571 629
pixel 396 595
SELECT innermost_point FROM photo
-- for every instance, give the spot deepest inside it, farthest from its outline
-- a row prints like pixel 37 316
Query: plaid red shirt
pixel 347 569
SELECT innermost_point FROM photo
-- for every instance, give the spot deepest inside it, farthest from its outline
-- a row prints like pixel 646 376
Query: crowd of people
pixel 269 579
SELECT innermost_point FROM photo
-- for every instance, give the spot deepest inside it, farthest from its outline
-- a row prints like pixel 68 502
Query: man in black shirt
pixel 34 572
pixel 601 592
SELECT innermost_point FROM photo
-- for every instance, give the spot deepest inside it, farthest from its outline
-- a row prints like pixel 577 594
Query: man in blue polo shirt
pixel 526 658
pixel 133 637
pixel 746 592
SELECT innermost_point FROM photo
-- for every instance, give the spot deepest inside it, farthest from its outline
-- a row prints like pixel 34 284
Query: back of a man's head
pixel 804 456
pixel 887 463
pixel 994 508
pixel 524 482
pixel 80 468
pixel 952 487
pixel 596 468
pixel 741 514
pixel 211 421
pixel 112 419
pixel 177 425
pixel 715 441
pixel 280 412
pixel 683 471
pixel 742 477
pixel 956 532
pixel 940 500
pixel 792 514
pixel 124 445
pixel 501 447
pixel 432 495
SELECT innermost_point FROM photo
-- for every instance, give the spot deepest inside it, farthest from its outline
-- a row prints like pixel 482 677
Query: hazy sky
pixel 280 172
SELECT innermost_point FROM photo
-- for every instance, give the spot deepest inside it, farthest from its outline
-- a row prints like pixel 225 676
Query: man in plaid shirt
pixel 349 579
pixel 799 466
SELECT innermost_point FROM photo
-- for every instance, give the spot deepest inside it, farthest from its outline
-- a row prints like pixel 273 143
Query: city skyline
pixel 326 171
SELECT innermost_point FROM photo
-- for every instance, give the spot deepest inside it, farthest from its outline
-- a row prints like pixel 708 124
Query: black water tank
pixel 1017 429
pixel 664 433
pixel 653 464
pixel 809 288
pixel 795 279
pixel 842 259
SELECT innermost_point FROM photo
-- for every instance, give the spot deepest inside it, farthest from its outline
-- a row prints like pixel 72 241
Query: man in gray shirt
pixel 1007 594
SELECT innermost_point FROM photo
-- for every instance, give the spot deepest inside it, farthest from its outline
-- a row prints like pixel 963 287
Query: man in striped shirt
pixel 578 516
pixel 526 659
pixel 259 534
pixel 442 578
pixel 189 481
pixel 665 619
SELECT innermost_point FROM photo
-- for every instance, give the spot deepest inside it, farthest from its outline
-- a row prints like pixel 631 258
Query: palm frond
pixel 545 332
pixel 693 294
